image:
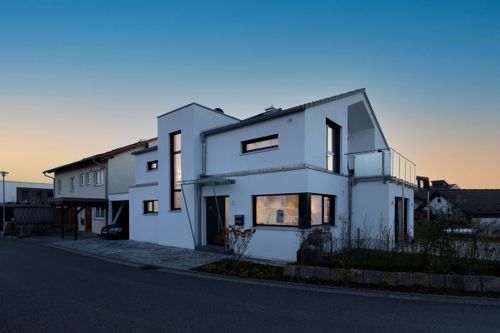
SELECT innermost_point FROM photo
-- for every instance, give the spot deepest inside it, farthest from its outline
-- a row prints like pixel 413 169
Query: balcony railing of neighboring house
pixel 381 164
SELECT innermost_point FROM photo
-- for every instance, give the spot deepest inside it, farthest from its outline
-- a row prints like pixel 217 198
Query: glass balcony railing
pixel 385 164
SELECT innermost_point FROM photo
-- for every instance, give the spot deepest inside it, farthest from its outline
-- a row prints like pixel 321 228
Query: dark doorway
pixel 401 219
pixel 216 219
pixel 121 214
pixel 88 219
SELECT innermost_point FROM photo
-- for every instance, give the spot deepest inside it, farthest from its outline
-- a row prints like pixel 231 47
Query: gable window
pixel 82 179
pixel 322 209
pixel 332 146
pixel 88 178
pixel 59 186
pixel 175 170
pixel 100 213
pixel 99 178
pixel 262 143
pixel 150 206
pixel 72 184
pixel 152 165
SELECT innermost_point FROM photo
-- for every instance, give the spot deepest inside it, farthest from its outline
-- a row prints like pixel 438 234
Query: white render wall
pixel 85 191
pixel 11 189
pixel 142 174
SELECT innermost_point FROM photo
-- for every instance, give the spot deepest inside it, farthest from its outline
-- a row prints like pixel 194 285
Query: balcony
pixel 382 164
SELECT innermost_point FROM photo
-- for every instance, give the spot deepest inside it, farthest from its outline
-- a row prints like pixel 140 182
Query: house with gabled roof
pixel 93 192
pixel 282 172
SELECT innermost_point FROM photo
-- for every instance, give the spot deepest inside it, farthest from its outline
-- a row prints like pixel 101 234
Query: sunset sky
pixel 81 77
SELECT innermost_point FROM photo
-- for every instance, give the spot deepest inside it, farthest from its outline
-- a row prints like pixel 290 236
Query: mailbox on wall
pixel 239 220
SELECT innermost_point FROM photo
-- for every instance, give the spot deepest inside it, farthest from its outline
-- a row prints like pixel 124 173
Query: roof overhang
pixel 209 181
pixel 79 202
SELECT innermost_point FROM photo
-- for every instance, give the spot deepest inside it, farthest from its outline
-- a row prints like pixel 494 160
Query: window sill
pixel 150 214
pixel 175 211
pixel 277 227
pixel 259 151
pixel 152 170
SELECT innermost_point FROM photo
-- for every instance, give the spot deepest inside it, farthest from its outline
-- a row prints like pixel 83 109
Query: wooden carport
pixel 76 204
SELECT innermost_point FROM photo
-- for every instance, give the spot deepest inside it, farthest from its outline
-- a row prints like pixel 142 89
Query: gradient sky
pixel 80 77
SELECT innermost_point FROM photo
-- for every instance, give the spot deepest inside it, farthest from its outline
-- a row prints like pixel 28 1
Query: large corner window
pixel 277 210
pixel 332 146
pixel 322 209
pixel 150 206
pixel 262 143
pixel 175 170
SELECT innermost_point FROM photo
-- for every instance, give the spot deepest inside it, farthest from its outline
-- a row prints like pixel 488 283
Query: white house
pixel 282 171
pixel 96 187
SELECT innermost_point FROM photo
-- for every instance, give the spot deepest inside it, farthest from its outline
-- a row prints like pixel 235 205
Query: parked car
pixel 114 231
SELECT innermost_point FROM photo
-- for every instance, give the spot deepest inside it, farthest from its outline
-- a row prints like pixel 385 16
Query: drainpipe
pixel 198 187
pixel 53 182
pixel 349 221
pixel 105 186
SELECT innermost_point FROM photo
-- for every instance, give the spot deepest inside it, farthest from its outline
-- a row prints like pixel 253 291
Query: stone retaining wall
pixel 457 282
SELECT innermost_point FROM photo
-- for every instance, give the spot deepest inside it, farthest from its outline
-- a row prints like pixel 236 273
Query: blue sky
pixel 97 73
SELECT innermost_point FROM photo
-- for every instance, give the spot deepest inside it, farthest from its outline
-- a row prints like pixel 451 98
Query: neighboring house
pixel 27 193
pixel 478 205
pixel 93 186
pixel 284 171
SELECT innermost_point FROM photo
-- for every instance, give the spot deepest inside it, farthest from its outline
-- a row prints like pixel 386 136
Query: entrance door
pixel 401 219
pixel 216 220
pixel 88 219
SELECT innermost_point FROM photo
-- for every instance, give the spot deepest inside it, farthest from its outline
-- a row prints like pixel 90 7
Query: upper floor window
pixel 152 165
pixel 262 143
pixel 82 179
pixel 175 170
pixel 59 186
pixel 332 146
pixel 99 177
pixel 150 206
pixel 72 184
pixel 88 178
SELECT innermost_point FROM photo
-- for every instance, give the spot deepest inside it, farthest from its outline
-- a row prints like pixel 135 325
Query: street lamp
pixel 3 173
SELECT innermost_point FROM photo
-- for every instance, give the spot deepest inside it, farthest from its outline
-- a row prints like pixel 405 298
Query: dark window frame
pixel 336 129
pixel 304 210
pixel 152 165
pixel 173 153
pixel 145 209
pixel 245 143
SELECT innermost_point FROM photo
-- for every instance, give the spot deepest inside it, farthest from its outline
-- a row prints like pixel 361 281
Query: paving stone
pixel 322 273
pixel 404 279
pixel 436 281
pixel 421 280
pixel 336 274
pixel 472 283
pixel 372 277
pixel 454 281
pixel 290 271
pixel 389 279
pixel 306 272
pixel 353 276
pixel 490 284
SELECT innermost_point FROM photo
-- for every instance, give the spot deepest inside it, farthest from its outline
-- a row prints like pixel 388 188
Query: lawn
pixel 409 262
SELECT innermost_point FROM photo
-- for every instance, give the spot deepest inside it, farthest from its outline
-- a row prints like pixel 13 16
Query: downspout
pixel 53 182
pixel 349 221
pixel 105 186
pixel 198 186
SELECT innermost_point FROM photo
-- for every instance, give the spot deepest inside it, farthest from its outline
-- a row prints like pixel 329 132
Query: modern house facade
pixel 93 186
pixel 282 172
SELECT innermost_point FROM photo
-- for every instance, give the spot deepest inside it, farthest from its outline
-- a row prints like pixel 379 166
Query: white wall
pixel 142 174
pixel 85 191
pixel 11 189
pixel 224 153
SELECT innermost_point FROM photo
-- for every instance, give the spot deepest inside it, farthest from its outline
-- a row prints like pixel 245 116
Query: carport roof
pixel 79 202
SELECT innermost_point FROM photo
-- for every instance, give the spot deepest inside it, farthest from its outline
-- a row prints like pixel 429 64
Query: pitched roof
pixel 280 113
pixel 103 156
pixel 477 202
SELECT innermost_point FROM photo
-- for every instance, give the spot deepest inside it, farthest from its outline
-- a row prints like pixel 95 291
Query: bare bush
pixel 238 239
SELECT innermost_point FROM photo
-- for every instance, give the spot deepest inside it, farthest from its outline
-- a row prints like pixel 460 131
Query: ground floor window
pixel 277 210
pixel 100 213
pixel 150 206
pixel 296 210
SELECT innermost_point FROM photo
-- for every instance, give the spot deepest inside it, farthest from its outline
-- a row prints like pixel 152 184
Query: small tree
pixel 238 240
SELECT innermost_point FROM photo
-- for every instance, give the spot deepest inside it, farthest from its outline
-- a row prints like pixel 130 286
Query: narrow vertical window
pixel 175 170
pixel 82 179
pixel 332 146
pixel 72 184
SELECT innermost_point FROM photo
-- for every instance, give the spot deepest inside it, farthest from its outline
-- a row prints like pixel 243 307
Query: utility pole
pixel 3 173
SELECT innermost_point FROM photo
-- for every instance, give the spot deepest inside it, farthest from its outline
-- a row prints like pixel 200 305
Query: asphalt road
pixel 48 290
